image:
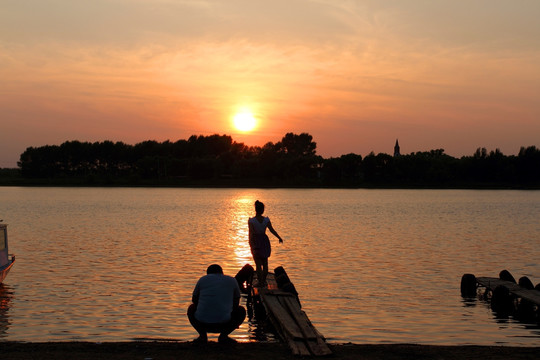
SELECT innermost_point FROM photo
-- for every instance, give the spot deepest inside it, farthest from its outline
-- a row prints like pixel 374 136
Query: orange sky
pixel 356 75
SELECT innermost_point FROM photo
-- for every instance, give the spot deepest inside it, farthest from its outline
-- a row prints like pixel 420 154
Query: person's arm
pixel 274 231
pixel 249 230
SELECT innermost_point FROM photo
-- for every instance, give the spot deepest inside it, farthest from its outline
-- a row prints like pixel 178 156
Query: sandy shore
pixel 247 351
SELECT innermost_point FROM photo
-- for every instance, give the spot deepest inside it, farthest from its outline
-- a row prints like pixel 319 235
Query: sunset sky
pixel 357 75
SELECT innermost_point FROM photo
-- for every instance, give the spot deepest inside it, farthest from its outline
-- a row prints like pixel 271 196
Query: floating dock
pixel 491 283
pixel 506 296
pixel 282 307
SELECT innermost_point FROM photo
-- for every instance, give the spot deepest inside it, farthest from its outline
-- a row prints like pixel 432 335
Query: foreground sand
pixel 249 351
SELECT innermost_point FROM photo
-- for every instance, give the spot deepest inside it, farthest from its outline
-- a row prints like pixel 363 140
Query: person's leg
pixel 237 318
pixel 264 266
pixel 259 269
pixel 197 325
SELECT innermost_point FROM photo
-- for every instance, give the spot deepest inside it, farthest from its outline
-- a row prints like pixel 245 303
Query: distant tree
pixel 345 170
pixel 485 168
pixel 268 161
pixel 528 165
pixel 34 162
pixel 378 169
pixel 426 168
pixel 291 161
pixel 297 158
pixel 297 145
pixel 213 145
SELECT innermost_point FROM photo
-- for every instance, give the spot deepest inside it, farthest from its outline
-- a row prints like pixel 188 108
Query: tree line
pixel 218 160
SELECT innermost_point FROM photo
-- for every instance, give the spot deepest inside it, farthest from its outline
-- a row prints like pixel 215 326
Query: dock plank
pixel 290 321
pixel 319 347
pixel 313 339
pixel 302 338
pixel 530 295
pixel 299 348
pixel 300 317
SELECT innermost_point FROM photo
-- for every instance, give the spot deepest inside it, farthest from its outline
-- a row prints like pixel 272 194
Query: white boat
pixel 6 260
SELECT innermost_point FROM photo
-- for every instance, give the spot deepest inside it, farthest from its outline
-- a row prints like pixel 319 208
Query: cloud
pixel 127 23
pixel 169 69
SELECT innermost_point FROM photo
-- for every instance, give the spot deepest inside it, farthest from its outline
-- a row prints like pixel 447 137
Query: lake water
pixel 371 266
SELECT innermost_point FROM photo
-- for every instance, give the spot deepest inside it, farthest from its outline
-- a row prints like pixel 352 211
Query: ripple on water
pixel 371 266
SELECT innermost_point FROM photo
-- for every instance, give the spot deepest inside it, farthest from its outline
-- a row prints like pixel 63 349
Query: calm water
pixel 371 266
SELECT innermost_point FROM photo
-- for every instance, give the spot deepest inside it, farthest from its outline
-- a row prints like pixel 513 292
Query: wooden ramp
pixel 529 295
pixel 291 323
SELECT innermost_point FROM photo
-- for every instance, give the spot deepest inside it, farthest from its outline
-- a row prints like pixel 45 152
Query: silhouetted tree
pixel 528 165
pixel 378 169
pixel 345 170
pixel 297 145
pixel 291 161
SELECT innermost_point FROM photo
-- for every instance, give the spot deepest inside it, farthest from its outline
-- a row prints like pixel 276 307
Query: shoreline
pixel 252 350
pixel 4 183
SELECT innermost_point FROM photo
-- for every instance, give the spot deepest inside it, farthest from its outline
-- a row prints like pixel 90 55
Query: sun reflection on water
pixel 239 210
pixel 237 217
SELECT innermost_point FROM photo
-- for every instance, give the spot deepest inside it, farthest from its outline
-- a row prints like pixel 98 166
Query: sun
pixel 244 121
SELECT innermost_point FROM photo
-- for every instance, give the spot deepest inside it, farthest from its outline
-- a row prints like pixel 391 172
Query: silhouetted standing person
pixel 216 306
pixel 259 242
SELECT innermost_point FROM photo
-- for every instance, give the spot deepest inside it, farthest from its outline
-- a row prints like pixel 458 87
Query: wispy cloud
pixel 133 69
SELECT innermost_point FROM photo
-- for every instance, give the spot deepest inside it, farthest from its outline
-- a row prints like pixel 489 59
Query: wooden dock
pixel 491 283
pixel 291 323
pixel 507 297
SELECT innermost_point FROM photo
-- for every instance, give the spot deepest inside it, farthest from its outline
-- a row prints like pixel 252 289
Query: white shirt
pixel 216 293
pixel 259 227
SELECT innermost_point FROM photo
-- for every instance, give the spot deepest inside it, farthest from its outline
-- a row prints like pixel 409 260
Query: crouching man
pixel 216 306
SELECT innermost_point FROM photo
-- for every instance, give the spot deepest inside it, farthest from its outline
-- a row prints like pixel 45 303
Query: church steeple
pixel 396 149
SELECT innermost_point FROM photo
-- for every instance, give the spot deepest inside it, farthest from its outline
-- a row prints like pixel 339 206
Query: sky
pixel 356 75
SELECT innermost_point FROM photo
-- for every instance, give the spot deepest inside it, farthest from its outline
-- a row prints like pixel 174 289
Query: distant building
pixel 396 149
